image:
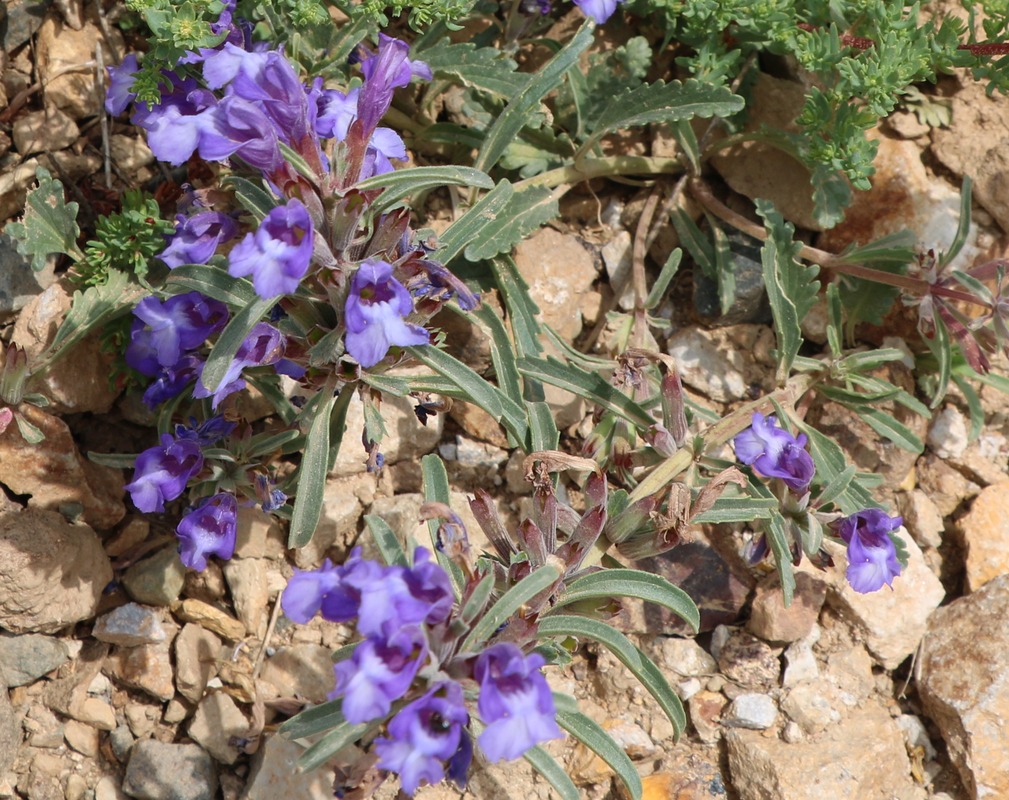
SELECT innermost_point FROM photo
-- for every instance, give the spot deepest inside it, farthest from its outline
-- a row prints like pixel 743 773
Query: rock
pixel 907 125
pixel 964 685
pixel 558 270
pixel 751 710
pixel 275 774
pixel 904 195
pixel 684 657
pixel 39 131
pixel 343 503
pixel 19 283
pixel 107 788
pixel 130 625
pixel 96 713
pixel 800 663
pixel 985 533
pixel 302 670
pixel 217 721
pixel 147 667
pixel 121 740
pixel 864 757
pixel 406 439
pixel 79 382
pixel 810 707
pixel 686 775
pixel 250 591
pixel 159 771
pixel 749 662
pixel 176 711
pixel 10 732
pixel 772 621
pixel 82 738
pixel 52 573
pixel 478 423
pixel 756 169
pixel 749 303
pixel 891 622
pixel 56 476
pixel 22 21
pixel 976 147
pixel 42 728
pixel 213 619
pixel 130 153
pixel 157 580
pixel 61 52
pixel 76 787
pixel 706 368
pixel 921 518
pixel 131 534
pixel 618 259
pixel 14 185
pixel 259 535
pixel 946 486
pixel 705 709
pixel 27 657
pixel 197 652
pixel 916 735
pixel 947 435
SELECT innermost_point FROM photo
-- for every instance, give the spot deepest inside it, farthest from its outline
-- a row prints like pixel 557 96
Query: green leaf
pixel 265 444
pixel 830 463
pixel 29 432
pixel 591 386
pixel 640 665
pixel 963 228
pixel 438 490
pixel 885 425
pixel 593 736
pixel 478 600
pixel 523 313
pixel 296 160
pixel 663 102
pixel 49 224
pixel 409 182
pixel 526 99
pixel 386 541
pixel 331 744
pixel 213 282
pixel 737 509
pixel 502 352
pixel 470 226
pixel 895 250
pixel 525 211
pixel 612 583
pixel 543 427
pixel 791 287
pixel 837 485
pixel 484 68
pixel 831 196
pixel 510 602
pixel 329 414
pixel 779 541
pixel 254 199
pixel 865 301
pixel 314 720
pixel 973 405
pixel 231 338
pixel 940 346
pixel 658 290
pixel 547 766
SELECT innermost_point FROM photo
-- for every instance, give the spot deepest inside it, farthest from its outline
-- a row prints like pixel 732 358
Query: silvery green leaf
pixel 509 603
pixel 471 225
pixel 525 212
pixel 612 583
pixel 316 719
pixel 49 224
pixel 485 68
pixel 403 183
pixel 547 766
pixel 593 736
pixel 780 540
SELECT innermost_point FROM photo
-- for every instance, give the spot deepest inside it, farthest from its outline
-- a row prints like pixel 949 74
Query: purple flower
pixel 207 530
pixel 162 472
pixel 197 238
pixel 598 10
pixel 206 433
pixel 515 702
pixel 262 347
pixel 775 453
pixel 379 673
pixel 375 309
pixel 277 255
pixel 175 124
pixel 238 127
pixel 423 736
pixel 164 332
pixel 121 78
pixel 321 589
pixel 172 381
pixel 384 72
pixel 872 556
pixel 336 113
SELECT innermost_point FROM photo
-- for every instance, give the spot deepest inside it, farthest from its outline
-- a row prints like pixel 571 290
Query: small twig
pixel 104 118
pixel 266 639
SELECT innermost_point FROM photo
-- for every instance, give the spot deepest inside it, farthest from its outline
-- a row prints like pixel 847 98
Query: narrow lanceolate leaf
pixel 791 287
pixel 407 182
pixel 213 282
pixel 253 198
pixel 331 744
pixel 836 485
pixel 231 339
pixel 585 384
pixel 438 490
pixel 470 226
pixel 386 541
pixel 612 583
pixel 509 603
pixel 594 737
pixel 49 224
pixel 485 68
pixel 663 102
pixel 524 212
pixel 526 99
pixel 315 465
pixel 830 463
pixel 522 311
pixel 636 661
pixel 314 720
pixel 885 425
pixel 780 544
pixel 547 766
pixel 737 509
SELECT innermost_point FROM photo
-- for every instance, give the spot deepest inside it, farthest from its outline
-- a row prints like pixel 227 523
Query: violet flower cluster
pixel 776 454
pixel 407 654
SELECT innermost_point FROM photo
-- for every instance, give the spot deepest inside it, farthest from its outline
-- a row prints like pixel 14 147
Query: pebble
pixel 684 657
pixel 29 656
pixel 755 711
pixel 160 771
pixel 304 670
pixel 211 618
pixel 121 740
pixel 76 787
pixel 275 774
pixel 107 788
pixel 197 651
pixel 217 722
pixel 147 667
pixel 985 532
pixel 947 435
pixel 749 662
pixel 96 713
pixel 250 591
pixel 157 580
pixel 82 738
pixel 130 625
pixel 922 518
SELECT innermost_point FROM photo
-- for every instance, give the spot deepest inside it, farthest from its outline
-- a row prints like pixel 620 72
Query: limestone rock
pixel 52 573
pixel 197 651
pixel 157 771
pixel 705 367
pixel 217 721
pixel 147 667
pixel 964 685
pixel 211 618
pixel 751 710
pixel 250 591
pixel 156 580
pixel 985 532
pixel 130 625
pixel 275 774
pixel 26 657
pixel 772 621
pixel 61 52
pixel 922 518
pixel 56 476
pixel 259 535
pixel 862 758
pixel 302 670
pixel 44 130
pixel 891 621
pixel 749 662
pixel 343 503
pixel 947 434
